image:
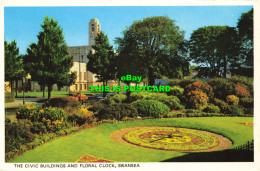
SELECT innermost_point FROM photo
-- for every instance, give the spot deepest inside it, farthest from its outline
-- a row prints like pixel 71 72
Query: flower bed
pixel 91 159
pixel 173 139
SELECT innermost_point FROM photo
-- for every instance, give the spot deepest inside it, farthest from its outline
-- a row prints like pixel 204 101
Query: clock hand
pixel 167 136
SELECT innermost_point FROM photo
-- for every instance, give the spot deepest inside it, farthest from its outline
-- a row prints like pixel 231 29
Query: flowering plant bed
pixel 246 123
pixel 176 139
pixel 91 159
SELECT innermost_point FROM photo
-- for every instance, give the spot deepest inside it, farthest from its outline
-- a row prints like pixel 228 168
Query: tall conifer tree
pixel 50 57
pixel 102 59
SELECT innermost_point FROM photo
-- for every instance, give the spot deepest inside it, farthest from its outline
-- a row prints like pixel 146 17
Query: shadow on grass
pixel 216 156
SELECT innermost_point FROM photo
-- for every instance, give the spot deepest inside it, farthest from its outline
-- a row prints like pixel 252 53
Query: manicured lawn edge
pixel 97 142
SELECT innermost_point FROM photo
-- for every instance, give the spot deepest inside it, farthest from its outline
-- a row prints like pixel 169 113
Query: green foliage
pixel 214 46
pixel 211 109
pixel 174 82
pixel 245 29
pixel 172 102
pixel 38 127
pixel 97 107
pixel 137 96
pixel 150 48
pixel 53 118
pixel 236 111
pixel 102 59
pixel 119 98
pixel 151 108
pixel 13 63
pixel 224 107
pixel 118 111
pixel 80 116
pixel 232 100
pixel 17 134
pixel 62 102
pixel 176 91
pixel 108 101
pixel 49 61
pixel 183 83
pixel 246 102
pixel 221 87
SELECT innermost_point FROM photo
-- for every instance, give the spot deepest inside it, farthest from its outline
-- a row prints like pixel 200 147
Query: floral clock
pixel 168 138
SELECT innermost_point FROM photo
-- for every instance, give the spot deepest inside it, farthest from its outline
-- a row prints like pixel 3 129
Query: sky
pixel 23 24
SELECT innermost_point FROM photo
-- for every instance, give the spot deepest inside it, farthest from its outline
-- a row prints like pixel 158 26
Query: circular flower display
pixel 167 138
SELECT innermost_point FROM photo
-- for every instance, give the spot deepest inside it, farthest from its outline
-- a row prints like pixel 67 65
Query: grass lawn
pixel 97 142
pixel 53 93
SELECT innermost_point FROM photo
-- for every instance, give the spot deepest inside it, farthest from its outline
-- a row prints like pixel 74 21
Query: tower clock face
pixel 168 138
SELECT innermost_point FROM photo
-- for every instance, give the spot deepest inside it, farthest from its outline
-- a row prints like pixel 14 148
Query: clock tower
pixel 94 28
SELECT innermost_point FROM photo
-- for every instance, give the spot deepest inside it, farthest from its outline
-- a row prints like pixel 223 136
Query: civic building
pixel 84 77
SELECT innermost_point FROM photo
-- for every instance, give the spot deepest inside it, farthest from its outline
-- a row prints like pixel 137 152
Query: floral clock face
pixel 167 138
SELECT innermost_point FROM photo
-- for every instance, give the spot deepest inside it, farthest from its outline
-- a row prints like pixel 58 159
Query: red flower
pixel 77 125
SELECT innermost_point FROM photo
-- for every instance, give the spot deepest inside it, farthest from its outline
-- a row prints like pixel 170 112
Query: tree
pixel 102 60
pixel 245 30
pixel 13 64
pixel 214 47
pixel 49 59
pixel 149 46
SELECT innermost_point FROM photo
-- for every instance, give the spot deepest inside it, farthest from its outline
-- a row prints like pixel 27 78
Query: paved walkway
pixel 29 100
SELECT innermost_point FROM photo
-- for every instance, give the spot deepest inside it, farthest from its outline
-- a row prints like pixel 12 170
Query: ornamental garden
pixel 194 121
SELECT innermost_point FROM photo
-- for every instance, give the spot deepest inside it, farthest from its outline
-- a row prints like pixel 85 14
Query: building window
pixel 76 87
pixel 80 76
pixel 80 86
pixel 85 76
pixel 93 29
pixel 85 86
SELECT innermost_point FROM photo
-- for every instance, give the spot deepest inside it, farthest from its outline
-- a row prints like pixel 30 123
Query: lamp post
pixel 79 77
pixel 23 90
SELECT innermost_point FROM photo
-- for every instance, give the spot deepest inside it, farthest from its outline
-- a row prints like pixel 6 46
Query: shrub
pixel 197 99
pixel 62 102
pixel 45 138
pixel 155 96
pixel 221 88
pixel 200 86
pixel 241 91
pixel 246 102
pixel 81 117
pixel 107 101
pixel 97 107
pixel 61 132
pixel 174 82
pixel 53 118
pixel 151 108
pixel 176 91
pixel 245 81
pixel 232 100
pixel 183 83
pixel 224 107
pixel 134 96
pixel 236 111
pixel 171 101
pixel 118 111
pixel 38 127
pixel 119 98
pixel 17 134
pixel 211 109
